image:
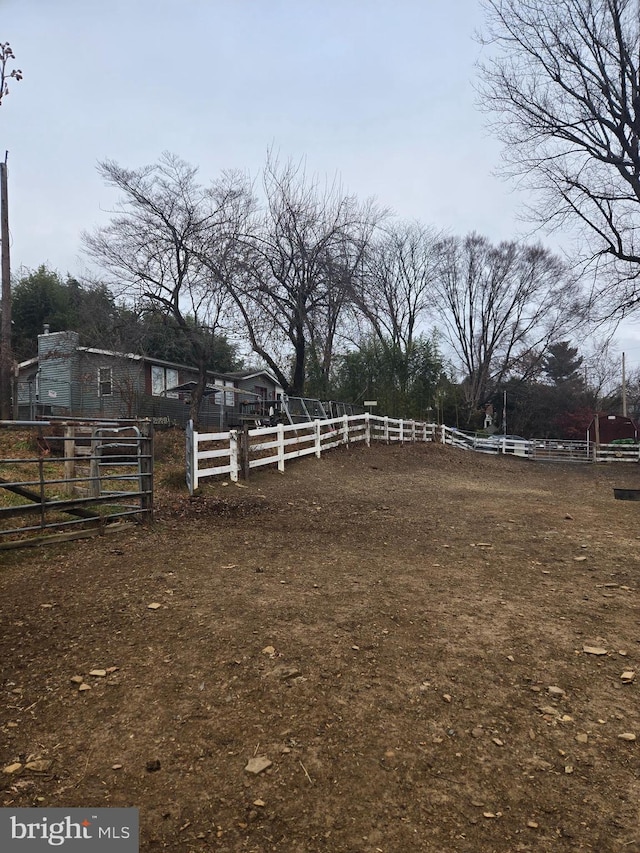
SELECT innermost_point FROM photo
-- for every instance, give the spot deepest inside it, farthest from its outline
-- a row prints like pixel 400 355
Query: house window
pixel 105 382
pixel 260 392
pixel 163 378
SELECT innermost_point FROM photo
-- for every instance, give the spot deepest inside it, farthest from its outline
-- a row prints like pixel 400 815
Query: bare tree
pixel 500 307
pixel 394 296
pixel 6 55
pixel 564 76
pixel 148 251
pixel 302 248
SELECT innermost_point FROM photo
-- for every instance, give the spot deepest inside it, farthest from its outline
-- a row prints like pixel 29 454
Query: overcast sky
pixel 379 93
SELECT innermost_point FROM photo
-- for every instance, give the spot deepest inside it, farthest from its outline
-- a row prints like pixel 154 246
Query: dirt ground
pixel 399 632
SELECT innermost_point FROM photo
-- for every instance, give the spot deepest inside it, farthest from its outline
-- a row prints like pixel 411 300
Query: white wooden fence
pixel 237 451
pixel 216 453
pixel 542 450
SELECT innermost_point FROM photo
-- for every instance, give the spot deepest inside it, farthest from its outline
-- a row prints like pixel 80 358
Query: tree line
pixel 334 294
pixel 337 297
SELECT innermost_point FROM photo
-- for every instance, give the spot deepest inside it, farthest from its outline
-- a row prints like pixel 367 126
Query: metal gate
pixel 74 477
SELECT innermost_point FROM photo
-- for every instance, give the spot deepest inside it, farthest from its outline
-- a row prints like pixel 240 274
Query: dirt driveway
pixel 392 640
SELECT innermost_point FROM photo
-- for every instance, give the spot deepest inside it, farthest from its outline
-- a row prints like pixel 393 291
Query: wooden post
pixel 318 443
pixel 345 429
pixel 367 429
pixel 233 454
pixel 386 428
pixel 596 444
pixel 93 486
pixel 146 470
pixel 280 434
pixel 6 355
pixel 69 460
pixel 191 451
pixel 244 451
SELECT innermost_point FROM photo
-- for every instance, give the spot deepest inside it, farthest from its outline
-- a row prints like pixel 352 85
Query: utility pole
pixel 6 354
pixel 624 389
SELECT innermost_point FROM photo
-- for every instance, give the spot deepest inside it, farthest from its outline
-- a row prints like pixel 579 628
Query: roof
pixel 210 389
pixel 249 373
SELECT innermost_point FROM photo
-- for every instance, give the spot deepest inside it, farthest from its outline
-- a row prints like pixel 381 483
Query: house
pixel 65 379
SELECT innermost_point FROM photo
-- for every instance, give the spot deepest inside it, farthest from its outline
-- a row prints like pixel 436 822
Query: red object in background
pixel 613 427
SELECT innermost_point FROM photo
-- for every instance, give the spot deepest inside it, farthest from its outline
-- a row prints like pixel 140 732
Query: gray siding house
pixel 65 379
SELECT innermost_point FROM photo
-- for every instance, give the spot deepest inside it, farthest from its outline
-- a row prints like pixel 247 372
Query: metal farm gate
pixel 68 479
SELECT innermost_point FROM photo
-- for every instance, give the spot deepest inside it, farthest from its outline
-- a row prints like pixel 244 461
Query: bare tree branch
pixel 564 78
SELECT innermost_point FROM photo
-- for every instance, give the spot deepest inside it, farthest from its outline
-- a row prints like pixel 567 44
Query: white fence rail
pixel 492 444
pixel 217 453
pixel 236 451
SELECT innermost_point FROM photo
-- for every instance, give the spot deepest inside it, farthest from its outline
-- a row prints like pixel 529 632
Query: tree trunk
pixel 297 385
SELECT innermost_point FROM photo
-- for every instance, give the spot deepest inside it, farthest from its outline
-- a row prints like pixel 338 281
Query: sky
pixel 379 94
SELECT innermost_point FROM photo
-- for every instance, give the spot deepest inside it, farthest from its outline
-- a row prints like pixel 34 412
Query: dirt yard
pixel 392 640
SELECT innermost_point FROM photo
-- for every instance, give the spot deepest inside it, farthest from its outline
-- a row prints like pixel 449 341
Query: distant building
pixel 612 428
pixel 65 379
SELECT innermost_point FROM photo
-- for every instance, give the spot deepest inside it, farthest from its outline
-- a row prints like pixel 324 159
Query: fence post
pixel 443 434
pixel 191 458
pixel 233 454
pixel 401 431
pixel 146 469
pixel 367 430
pixel 345 429
pixel 244 451
pixel 318 445
pixel 93 486
pixel 386 428
pixel 280 447
pixel 69 460
pixel 413 430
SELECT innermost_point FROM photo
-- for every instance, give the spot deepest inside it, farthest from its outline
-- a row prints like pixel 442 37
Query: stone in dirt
pixel 628 676
pixel 268 650
pixel 548 709
pixel 627 736
pixel 258 765
pixel 555 691
pixel 98 673
pixel 285 672
pixel 77 679
pixel 594 650
pixel 154 605
pixel 582 737
pixel 39 766
pixel 84 687
pixel 12 768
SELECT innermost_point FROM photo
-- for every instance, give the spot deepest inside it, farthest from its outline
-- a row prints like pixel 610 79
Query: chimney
pixel 46 329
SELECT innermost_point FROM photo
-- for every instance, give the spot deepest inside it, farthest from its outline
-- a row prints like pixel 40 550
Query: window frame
pixel 103 382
